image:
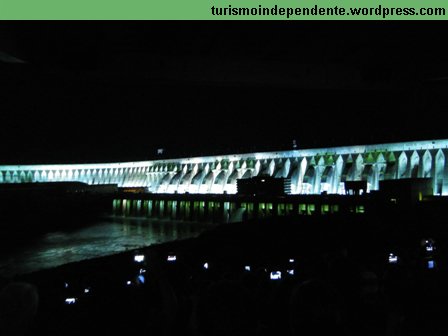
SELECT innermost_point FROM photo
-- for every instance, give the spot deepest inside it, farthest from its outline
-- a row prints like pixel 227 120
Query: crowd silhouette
pixel 290 280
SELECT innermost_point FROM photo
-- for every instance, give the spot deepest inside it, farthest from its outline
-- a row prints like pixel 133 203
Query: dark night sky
pixel 116 91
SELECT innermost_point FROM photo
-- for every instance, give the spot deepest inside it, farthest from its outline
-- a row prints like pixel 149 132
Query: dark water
pixel 21 254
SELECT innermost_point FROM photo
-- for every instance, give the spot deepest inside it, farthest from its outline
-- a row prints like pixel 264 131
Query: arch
pixel 166 179
pixel 247 174
pixel 402 165
pixel 367 172
pixel 427 164
pixel 186 179
pixel 278 168
pixel 109 175
pixel 368 175
pixel 380 169
pixel 207 183
pixel 294 176
pixel 308 180
pixel 221 177
pixel 176 178
pixel 293 171
pixel 283 169
pixel 347 171
pixel 326 180
pixel 390 171
pixel 309 174
pixel 270 168
pixel 301 172
pixel 338 186
pixel 230 186
pixel 438 172
pixel 219 182
pixel 358 168
pixel 197 179
pixel 233 177
pixel 188 176
pixel 257 168
pixel 414 165
pixel 216 165
pixel 208 178
pixel 94 178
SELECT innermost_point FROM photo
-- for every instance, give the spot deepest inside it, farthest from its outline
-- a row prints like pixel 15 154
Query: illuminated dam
pixel 312 171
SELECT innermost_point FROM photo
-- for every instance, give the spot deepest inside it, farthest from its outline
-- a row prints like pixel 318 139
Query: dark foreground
pixel 335 278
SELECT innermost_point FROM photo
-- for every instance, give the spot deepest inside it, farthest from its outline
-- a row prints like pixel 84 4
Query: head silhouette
pixel 18 306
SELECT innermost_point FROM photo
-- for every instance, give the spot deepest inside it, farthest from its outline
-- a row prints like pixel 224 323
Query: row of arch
pixel 309 175
pixel 128 176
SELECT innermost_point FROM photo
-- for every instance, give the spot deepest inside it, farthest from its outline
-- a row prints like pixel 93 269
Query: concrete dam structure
pixel 312 171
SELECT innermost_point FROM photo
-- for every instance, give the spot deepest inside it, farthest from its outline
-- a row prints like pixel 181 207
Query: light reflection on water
pixel 100 239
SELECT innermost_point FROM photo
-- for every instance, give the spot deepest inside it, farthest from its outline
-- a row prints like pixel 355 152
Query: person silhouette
pixel 18 306
pixel 315 310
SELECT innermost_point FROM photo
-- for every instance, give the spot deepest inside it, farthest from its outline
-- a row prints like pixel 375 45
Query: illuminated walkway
pixel 312 171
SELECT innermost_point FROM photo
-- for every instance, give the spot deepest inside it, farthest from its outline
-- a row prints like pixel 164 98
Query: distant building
pixel 263 185
pixel 355 187
pixel 408 190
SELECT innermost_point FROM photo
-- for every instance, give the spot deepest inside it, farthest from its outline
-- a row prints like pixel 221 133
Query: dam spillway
pixel 311 171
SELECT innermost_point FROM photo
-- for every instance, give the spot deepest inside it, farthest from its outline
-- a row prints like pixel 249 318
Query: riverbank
pixel 23 252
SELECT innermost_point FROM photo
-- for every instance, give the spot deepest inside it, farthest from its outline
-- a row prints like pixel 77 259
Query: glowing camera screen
pixel 139 258
pixel 276 275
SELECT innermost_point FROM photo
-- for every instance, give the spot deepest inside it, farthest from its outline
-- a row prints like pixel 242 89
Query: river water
pixel 20 254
